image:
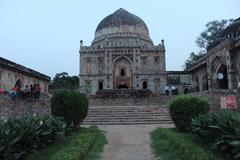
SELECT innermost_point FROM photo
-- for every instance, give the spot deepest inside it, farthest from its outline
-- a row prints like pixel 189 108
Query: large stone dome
pixel 121 23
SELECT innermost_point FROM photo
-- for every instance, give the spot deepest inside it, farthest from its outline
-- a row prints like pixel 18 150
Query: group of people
pixel 171 89
pixel 174 90
pixel 29 91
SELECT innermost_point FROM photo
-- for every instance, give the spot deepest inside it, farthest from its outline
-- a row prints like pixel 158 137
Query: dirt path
pixel 128 142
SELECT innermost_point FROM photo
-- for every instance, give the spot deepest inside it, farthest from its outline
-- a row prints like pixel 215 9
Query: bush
pixel 21 135
pixel 71 105
pixel 184 108
pixel 222 130
pixel 178 146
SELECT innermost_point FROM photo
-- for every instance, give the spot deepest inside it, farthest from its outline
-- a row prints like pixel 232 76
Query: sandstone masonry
pixel 14 108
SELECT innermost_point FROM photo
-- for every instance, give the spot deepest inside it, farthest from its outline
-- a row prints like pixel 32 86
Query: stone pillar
pixel 229 68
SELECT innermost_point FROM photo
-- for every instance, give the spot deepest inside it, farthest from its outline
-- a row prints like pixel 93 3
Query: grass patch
pixel 171 145
pixel 74 147
pixel 97 148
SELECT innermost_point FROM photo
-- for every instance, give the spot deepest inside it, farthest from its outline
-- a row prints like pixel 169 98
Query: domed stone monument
pixel 122 56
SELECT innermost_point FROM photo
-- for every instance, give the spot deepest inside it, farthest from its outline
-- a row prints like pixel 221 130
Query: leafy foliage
pixel 212 32
pixel 208 36
pixel 184 108
pixel 193 58
pixel 18 136
pixel 222 130
pixel 64 80
pixel 71 105
pixel 78 146
pixel 177 146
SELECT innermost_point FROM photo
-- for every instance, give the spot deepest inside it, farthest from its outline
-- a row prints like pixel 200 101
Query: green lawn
pixel 168 144
pixel 85 144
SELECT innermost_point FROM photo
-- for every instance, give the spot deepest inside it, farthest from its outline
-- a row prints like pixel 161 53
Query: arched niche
pixel 122 72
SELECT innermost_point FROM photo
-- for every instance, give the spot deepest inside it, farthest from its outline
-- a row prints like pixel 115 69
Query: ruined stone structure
pixel 12 73
pixel 122 55
pixel 220 68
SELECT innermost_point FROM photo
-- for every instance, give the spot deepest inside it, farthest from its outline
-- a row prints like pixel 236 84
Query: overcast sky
pixel 44 34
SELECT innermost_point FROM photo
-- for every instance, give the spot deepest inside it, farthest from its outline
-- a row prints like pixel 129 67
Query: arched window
pixel 122 72
pixel 19 83
pixel 144 85
pixel 88 66
pixel 100 65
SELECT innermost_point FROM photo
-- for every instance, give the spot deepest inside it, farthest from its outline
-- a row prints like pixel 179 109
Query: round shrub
pixel 184 108
pixel 71 105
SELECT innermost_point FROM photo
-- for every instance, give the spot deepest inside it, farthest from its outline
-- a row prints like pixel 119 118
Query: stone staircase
pixel 127 115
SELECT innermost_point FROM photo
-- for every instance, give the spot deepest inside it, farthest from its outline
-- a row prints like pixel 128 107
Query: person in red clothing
pixel 14 91
pixel 2 91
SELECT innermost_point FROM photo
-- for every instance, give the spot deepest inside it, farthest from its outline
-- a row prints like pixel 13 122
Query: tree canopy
pixel 193 58
pixel 209 35
pixel 212 32
pixel 64 80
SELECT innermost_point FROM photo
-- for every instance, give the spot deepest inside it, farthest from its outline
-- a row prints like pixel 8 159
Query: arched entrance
pixel 144 85
pixel 219 72
pixel 100 85
pixel 122 86
pixel 122 73
pixel 19 83
pixel 204 81
pixel 222 79
pixel 196 88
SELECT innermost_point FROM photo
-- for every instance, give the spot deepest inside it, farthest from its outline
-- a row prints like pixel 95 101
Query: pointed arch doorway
pixel 122 73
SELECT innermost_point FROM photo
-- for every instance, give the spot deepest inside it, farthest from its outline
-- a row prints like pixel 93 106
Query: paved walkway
pixel 128 142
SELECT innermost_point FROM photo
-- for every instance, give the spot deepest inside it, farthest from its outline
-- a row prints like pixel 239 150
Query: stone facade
pixel 11 72
pixel 18 107
pixel 122 55
pixel 154 100
pixel 180 79
pixel 220 68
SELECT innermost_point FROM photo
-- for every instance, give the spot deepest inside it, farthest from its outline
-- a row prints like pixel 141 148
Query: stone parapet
pixel 214 97
pixel 19 107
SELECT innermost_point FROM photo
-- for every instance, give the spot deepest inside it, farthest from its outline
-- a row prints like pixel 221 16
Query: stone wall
pixel 215 95
pixel 18 107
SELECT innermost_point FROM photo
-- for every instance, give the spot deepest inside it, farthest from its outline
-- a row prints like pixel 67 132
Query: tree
pixel 209 35
pixel 193 58
pixel 64 80
pixel 212 32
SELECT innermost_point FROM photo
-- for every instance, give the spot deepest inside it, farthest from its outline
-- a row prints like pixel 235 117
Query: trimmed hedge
pixel 184 108
pixel 175 145
pixel 18 136
pixel 71 105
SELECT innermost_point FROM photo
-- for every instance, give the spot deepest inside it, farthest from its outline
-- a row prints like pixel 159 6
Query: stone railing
pixel 17 107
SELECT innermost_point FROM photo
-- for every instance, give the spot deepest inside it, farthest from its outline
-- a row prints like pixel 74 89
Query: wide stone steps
pixel 127 115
